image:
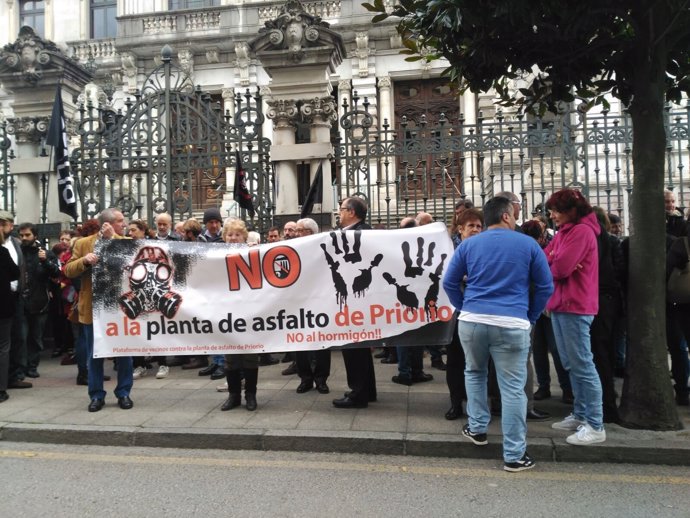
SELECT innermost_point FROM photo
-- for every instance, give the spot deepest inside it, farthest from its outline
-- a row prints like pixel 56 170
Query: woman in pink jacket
pixel 574 261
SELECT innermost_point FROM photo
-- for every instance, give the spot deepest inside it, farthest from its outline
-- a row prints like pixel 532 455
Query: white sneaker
pixel 586 435
pixel 570 423
pixel 163 371
pixel 139 372
pixel 223 387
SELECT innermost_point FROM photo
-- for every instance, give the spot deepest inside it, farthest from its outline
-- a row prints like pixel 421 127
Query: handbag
pixel 678 287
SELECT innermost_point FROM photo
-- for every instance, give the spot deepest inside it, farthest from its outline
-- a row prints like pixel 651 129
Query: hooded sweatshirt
pixel 576 288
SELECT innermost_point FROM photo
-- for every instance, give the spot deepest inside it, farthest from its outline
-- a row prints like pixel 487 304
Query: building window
pixel 32 13
pixel 174 5
pixel 103 22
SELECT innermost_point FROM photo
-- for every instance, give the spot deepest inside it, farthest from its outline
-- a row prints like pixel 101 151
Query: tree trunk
pixel 647 400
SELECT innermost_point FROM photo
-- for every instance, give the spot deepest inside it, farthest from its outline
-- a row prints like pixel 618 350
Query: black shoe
pixel 477 438
pixel 524 463
pixel 402 380
pixel 537 415
pixel 218 373
pixel 234 400
pixel 33 373
pixel 82 380
pixel 390 359
pixel 421 377
pixel 542 393
pixel 381 354
pixel 177 361
pixel 322 387
pixel 96 405
pixel 125 403
pixel 56 353
pixel 4 396
pixel 438 364
pixel 206 371
pixel 568 397
pixel 454 413
pixel 349 393
pixel 287 358
pixel 19 384
pixel 305 386
pixel 346 402
pixel 197 363
pixel 292 369
pixel 251 401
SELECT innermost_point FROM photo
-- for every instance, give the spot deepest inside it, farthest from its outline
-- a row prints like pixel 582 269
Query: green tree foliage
pixel 585 51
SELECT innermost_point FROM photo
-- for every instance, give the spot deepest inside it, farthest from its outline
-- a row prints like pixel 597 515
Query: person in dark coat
pixel 9 272
pixel 17 366
pixel 678 324
pixel 359 364
pixel 41 267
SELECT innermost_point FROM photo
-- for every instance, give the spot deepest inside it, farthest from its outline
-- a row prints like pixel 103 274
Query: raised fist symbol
pixel 360 284
pixel 409 298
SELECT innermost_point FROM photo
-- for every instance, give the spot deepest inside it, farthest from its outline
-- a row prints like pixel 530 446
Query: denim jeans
pixel 509 348
pixel 80 353
pixel 575 349
pixel 124 370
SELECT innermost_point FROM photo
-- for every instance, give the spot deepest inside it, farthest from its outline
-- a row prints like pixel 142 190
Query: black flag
pixel 57 137
pixel 314 194
pixel 240 191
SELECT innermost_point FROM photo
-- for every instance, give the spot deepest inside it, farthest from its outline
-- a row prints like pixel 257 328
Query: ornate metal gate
pixel 430 163
pixel 144 159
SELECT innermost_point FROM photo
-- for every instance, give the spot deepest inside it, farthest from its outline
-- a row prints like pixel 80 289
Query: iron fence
pixel 7 180
pixel 429 166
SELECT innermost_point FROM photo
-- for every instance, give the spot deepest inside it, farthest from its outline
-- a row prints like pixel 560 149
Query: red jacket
pixel 574 262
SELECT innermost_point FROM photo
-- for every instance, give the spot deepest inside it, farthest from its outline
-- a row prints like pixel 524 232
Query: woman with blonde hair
pixel 237 365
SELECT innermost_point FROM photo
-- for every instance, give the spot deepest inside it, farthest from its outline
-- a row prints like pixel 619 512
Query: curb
pixel 674 453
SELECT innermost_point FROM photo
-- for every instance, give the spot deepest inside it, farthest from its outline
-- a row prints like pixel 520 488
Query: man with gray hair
pixel 164 227
pixel 508 285
pixel 516 202
pixel 112 223
pixel 315 372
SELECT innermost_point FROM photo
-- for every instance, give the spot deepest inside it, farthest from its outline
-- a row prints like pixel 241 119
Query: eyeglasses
pixel 344 208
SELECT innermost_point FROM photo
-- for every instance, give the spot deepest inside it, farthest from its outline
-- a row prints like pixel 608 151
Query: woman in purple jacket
pixel 574 262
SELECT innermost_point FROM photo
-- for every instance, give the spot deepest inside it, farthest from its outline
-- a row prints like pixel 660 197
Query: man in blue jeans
pixel 508 283
pixel 80 265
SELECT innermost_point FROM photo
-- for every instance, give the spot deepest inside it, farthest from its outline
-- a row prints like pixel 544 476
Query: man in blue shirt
pixel 508 283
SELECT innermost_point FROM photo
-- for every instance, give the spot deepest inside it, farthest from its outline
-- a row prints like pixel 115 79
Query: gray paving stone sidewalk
pixel 183 411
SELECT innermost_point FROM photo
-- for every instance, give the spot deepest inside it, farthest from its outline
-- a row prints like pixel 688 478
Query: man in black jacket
pixel 41 266
pixel 359 364
pixel 17 360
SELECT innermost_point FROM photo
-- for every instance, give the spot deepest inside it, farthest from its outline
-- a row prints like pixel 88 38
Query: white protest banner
pixel 326 290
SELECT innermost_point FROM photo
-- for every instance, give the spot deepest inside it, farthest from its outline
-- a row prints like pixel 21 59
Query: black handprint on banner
pixel 416 271
pixel 361 283
pixel 408 298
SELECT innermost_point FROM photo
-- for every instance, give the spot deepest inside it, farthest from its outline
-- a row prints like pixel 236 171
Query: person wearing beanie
pixel 213 222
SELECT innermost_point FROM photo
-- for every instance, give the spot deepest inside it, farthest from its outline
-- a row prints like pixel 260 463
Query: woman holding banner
pixel 239 365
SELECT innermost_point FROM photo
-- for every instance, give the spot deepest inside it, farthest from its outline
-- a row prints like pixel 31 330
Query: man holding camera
pixel 41 266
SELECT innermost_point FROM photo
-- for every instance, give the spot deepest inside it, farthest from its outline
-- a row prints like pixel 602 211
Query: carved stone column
pixel 321 113
pixel 283 113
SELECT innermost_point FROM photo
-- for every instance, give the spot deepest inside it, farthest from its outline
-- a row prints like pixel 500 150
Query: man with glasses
pixel 359 364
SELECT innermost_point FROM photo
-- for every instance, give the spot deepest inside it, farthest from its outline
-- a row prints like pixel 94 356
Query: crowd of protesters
pixel 554 285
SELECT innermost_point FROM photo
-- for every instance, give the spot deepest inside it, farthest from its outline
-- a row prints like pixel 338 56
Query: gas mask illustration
pixel 150 275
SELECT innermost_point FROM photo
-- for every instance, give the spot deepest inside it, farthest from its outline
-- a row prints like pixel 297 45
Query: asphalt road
pixel 72 481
